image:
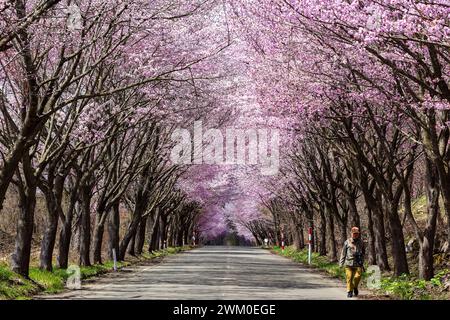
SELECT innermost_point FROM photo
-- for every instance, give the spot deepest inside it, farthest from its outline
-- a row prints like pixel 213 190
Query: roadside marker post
pixel 114 259
pixel 309 244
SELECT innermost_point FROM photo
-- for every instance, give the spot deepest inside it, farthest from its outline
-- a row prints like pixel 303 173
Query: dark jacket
pixel 352 254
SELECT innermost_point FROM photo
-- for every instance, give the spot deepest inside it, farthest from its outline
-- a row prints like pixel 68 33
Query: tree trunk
pixel 342 231
pixel 140 237
pixel 168 233
pixel 426 268
pixel 85 227
pixel 154 244
pixel 98 240
pixel 20 261
pixel 397 241
pixel 131 251
pixel 179 241
pixel 129 237
pixel 48 242
pixel 185 237
pixel 445 189
pixel 331 239
pixel 65 233
pixel 353 213
pixel 162 234
pixel 433 144
pixel 295 237
pixel 130 234
pixel 301 236
pixel 371 259
pixel 379 237
pixel 323 232
pixel 64 244
pixel 21 257
pixel 150 226
pixel 49 239
pixel 113 230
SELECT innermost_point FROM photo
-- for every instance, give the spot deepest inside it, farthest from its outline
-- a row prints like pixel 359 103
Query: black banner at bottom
pixel 226 309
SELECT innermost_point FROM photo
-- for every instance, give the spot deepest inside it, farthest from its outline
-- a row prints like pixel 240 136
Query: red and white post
pixel 309 244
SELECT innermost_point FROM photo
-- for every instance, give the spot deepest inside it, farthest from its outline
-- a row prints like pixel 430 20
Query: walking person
pixel 352 258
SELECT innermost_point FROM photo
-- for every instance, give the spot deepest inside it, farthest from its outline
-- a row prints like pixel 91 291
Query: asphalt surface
pixel 213 272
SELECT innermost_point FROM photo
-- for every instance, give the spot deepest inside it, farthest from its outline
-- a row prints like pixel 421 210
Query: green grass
pixel 97 269
pixel 408 287
pixel 51 282
pixel 14 286
pixel 317 261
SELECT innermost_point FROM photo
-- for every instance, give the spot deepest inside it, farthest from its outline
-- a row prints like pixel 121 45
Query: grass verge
pixel 14 286
pixel 318 262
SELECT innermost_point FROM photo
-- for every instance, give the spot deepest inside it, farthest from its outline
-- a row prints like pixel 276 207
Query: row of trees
pixel 368 85
pixel 89 94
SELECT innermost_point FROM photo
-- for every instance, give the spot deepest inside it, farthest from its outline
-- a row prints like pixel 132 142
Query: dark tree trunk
pixel 99 231
pixel 154 243
pixel 49 239
pixel 342 231
pixel 129 237
pixel 150 226
pixel 53 191
pixel 98 241
pixel 295 238
pixel 65 233
pixel 331 239
pixel 371 259
pixel 297 235
pixel 379 235
pixel 180 237
pixel 130 250
pixel 426 268
pixel 444 182
pixel 353 213
pixel 113 230
pixel 130 233
pixel 301 236
pixel 372 200
pixel 168 234
pixel 323 232
pixel 20 261
pixel 85 227
pixel 185 237
pixel 446 201
pixel 314 241
pixel 140 237
pixel 64 244
pixel 162 234
pixel 48 242
pixel 397 241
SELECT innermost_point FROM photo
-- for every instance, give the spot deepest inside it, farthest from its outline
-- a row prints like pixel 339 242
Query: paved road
pixel 213 273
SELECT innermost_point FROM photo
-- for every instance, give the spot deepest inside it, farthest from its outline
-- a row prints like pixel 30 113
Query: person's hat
pixel 355 230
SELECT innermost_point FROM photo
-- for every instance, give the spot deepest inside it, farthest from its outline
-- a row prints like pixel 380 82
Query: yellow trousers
pixel 353 276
